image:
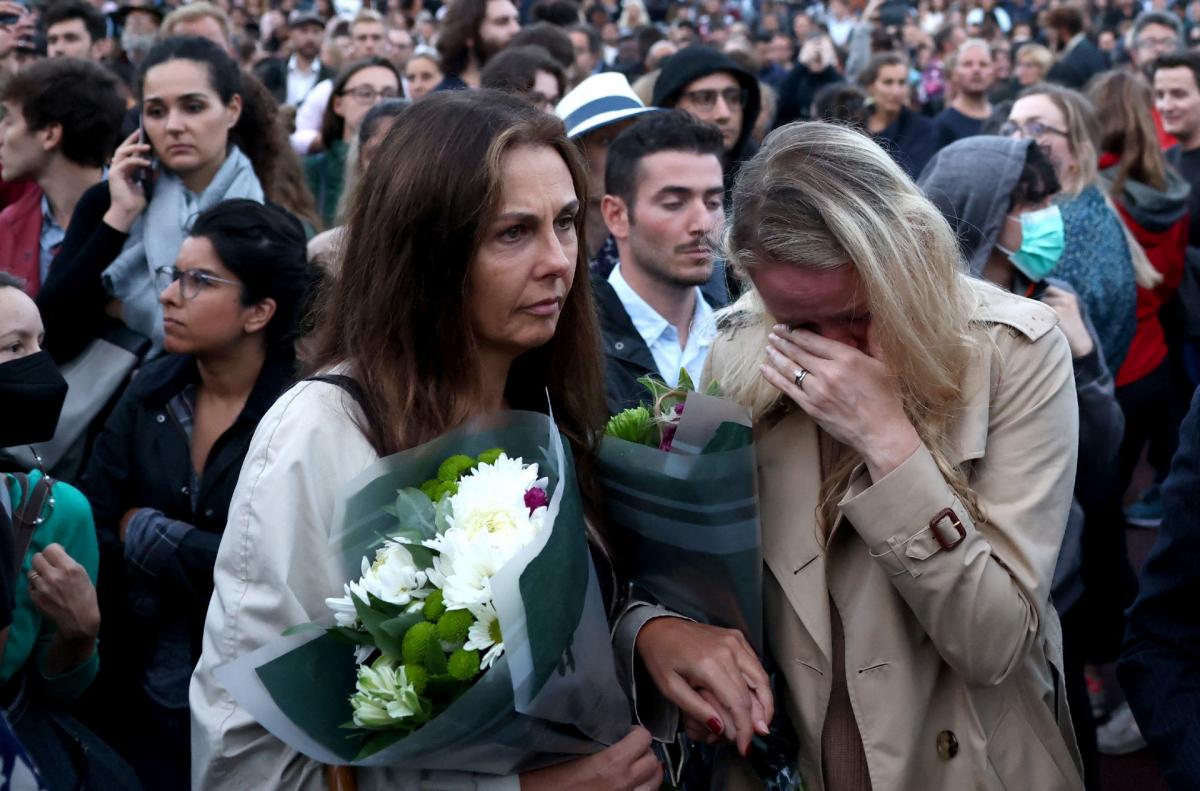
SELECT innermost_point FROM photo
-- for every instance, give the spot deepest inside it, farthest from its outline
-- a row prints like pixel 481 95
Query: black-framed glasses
pixel 1031 129
pixel 541 101
pixel 365 93
pixel 706 98
pixel 191 281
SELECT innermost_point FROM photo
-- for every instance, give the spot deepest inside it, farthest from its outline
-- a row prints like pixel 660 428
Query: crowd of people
pixel 946 253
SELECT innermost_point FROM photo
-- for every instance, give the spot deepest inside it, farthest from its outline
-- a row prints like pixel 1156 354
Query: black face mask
pixel 32 392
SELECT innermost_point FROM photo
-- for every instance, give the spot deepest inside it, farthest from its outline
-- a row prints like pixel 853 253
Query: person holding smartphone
pixel 203 143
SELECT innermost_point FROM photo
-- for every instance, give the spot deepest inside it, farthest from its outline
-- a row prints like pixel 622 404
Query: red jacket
pixel 1162 230
pixel 20 240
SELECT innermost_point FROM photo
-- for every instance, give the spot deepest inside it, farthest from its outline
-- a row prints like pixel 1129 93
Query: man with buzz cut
pixel 663 204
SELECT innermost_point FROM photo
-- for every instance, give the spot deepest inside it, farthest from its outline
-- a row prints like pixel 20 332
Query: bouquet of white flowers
pixel 470 634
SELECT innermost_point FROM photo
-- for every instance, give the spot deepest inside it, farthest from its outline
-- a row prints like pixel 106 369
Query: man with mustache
pixel 663 204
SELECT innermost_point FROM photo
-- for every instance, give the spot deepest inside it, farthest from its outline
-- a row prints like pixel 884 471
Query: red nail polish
pixel 714 725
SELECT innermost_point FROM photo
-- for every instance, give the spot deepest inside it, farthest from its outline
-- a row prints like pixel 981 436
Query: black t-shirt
pixel 952 125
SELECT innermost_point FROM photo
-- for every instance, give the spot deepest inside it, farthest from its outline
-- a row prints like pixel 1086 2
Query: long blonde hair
pixel 819 197
pixel 1083 138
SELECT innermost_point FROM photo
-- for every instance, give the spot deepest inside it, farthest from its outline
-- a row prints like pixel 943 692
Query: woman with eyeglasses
pixel 1100 259
pixel 355 91
pixel 163 471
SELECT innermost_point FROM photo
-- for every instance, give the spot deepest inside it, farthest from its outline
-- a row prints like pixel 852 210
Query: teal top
pixel 326 175
pixel 70 525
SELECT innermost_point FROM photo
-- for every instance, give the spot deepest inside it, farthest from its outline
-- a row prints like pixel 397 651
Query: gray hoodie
pixel 971 182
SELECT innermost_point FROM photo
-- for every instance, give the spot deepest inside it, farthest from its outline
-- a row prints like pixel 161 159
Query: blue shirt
pixel 52 238
pixel 660 335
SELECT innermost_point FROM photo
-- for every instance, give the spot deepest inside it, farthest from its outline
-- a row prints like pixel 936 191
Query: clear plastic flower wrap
pixel 470 635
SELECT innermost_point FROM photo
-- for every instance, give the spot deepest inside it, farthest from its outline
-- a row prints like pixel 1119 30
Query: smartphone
pixel 145 176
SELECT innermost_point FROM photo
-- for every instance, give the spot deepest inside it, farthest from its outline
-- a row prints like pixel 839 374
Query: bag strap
pixel 29 516
pixel 354 389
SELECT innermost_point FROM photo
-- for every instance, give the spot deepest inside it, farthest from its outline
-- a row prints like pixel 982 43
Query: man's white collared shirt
pixel 660 335
pixel 299 83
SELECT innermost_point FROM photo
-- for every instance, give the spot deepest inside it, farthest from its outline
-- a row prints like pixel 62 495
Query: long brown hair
pixel 459 33
pixel 1124 105
pixel 396 314
pixel 332 124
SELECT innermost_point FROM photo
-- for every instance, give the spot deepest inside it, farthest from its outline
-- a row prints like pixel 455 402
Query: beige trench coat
pixel 953 656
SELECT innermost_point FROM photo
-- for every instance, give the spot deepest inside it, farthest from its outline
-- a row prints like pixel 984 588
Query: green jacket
pixel 326 175
pixel 70 525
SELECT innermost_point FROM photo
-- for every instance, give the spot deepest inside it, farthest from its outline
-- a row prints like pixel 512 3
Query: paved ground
pixel 1136 772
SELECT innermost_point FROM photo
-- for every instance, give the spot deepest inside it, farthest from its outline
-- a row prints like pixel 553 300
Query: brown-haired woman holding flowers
pixel 463 292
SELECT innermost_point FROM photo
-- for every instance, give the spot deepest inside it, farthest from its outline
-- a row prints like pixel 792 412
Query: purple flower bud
pixel 535 498
pixel 668 436
pixel 679 408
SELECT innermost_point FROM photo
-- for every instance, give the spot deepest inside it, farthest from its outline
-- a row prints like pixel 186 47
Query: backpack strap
pixel 27 518
pixel 354 389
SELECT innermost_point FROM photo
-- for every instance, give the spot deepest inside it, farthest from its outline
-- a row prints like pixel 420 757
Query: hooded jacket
pixel 1158 220
pixel 691 64
pixel 953 179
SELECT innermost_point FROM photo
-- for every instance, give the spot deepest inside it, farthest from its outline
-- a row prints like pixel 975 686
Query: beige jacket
pixel 953 656
pixel 269 576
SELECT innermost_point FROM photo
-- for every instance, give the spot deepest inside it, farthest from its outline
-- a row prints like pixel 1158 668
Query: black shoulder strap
pixel 29 515
pixel 354 389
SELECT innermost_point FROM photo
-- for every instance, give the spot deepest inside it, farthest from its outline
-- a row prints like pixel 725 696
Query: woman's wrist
pixel 119 219
pixel 890 449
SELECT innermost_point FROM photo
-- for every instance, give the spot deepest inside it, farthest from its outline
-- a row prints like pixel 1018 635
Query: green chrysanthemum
pixel 453 626
pixel 464 664
pixel 418 677
pixel 633 425
pixel 430 489
pixel 434 607
pixel 454 468
pixel 490 456
pixel 416 642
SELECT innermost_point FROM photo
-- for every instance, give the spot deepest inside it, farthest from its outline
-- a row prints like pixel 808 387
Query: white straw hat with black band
pixel 598 101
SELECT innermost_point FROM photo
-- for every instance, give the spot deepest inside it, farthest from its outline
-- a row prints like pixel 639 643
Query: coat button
pixel 161 418
pixel 183 490
pixel 208 512
pixel 947 745
pixel 619 345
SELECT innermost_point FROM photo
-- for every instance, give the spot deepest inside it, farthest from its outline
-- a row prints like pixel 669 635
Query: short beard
pixel 649 263
pixel 138 44
pixel 485 50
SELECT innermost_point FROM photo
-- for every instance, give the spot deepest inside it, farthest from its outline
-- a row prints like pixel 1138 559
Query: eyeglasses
pixel 541 101
pixel 191 282
pixel 707 99
pixel 1164 43
pixel 1031 129
pixel 365 93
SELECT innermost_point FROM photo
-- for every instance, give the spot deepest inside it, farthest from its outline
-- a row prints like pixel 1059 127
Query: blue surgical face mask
pixel 1042 242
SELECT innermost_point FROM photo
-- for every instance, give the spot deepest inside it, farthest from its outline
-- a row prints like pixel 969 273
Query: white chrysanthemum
pixel 488 523
pixel 383 696
pixel 490 503
pixel 466 567
pixel 484 634
pixel 394 576
pixel 343 609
